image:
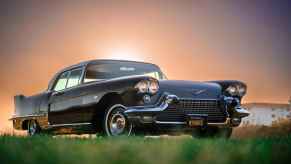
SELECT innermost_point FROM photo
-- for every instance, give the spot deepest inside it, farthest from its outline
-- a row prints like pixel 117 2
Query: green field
pixel 140 150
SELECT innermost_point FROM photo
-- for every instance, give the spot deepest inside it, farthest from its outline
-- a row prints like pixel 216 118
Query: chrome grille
pixel 179 111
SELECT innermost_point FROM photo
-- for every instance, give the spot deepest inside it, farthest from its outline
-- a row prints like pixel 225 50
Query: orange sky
pixel 193 40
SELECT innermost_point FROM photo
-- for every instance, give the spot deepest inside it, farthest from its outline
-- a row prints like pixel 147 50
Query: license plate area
pixel 194 120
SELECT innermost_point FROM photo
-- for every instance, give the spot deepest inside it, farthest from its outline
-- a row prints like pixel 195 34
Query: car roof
pixel 85 63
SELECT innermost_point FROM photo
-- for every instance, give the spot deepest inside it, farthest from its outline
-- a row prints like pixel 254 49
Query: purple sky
pixel 204 40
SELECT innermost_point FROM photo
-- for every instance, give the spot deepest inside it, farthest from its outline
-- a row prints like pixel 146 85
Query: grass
pixel 46 149
pixel 249 144
pixel 281 127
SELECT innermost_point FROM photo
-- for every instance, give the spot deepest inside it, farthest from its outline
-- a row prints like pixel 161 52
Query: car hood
pixel 191 89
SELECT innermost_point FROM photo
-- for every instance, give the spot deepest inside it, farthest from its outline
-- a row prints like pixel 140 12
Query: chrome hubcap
pixel 117 124
pixel 32 128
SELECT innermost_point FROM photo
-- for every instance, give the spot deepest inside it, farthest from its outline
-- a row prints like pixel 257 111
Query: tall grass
pixel 251 144
pixel 281 127
pixel 139 150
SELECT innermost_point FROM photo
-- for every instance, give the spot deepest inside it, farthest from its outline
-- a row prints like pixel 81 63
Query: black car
pixel 113 97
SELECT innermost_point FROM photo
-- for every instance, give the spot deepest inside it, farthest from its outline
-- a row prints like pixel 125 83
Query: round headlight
pixel 236 90
pixel 153 86
pixel 242 90
pixel 232 90
pixel 142 86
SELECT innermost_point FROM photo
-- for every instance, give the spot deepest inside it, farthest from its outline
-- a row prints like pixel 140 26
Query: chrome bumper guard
pixel 241 112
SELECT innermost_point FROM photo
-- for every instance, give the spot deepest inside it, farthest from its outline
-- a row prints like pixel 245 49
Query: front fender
pixel 226 83
pixel 122 87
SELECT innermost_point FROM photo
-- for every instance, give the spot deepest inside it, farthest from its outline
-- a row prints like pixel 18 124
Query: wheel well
pixel 25 124
pixel 105 102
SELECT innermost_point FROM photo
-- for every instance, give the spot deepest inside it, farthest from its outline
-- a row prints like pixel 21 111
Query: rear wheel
pixel 115 122
pixel 33 128
pixel 214 132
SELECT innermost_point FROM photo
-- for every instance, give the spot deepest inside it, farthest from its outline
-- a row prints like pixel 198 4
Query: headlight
pixel 242 90
pixel 144 86
pixel 236 90
pixel 232 90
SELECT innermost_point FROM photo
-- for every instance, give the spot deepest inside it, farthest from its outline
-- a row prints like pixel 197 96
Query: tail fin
pixel 18 103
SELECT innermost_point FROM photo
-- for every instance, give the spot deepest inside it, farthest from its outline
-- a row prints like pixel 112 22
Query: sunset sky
pixel 191 40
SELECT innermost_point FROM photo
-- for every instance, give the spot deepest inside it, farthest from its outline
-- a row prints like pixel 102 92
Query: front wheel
pixel 115 122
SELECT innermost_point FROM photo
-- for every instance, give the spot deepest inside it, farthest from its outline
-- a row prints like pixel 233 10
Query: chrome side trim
pixel 160 108
pixel 73 124
pixel 173 123
pixel 217 123
pixel 30 115
pixel 160 101
pixel 163 106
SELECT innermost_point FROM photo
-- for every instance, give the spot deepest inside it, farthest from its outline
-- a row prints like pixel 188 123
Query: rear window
pixel 68 79
pixel 74 78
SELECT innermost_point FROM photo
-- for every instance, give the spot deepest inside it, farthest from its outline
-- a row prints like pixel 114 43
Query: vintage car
pixel 115 97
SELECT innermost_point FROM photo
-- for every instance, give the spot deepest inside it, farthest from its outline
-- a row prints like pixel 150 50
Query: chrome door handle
pixel 58 93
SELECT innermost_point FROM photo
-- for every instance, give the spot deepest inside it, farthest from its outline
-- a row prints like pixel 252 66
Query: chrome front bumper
pixel 146 114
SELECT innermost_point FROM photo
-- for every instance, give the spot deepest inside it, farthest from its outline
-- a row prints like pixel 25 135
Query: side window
pixel 62 82
pixel 74 78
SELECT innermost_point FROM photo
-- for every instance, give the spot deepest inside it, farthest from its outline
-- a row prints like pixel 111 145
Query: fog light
pixel 147 119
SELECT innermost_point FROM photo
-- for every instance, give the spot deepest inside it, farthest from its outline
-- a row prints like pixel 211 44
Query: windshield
pixel 113 69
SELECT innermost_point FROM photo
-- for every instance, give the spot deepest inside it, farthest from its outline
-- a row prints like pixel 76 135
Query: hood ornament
pixel 199 91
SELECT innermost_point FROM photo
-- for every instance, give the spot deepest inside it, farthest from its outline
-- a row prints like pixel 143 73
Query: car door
pixel 66 98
